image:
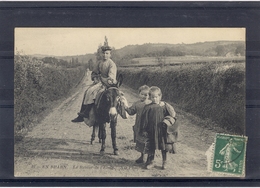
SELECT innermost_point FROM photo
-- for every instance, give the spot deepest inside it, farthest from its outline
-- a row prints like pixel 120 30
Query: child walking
pixel 137 108
pixel 154 128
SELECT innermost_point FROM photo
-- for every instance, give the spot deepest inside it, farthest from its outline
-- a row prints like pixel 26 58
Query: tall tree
pixel 91 64
pixel 99 53
pixel 106 42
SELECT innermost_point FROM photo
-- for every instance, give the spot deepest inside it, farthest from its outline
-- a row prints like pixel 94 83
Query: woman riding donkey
pixel 104 76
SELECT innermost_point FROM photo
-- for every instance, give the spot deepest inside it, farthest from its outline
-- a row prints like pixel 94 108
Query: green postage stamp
pixel 229 154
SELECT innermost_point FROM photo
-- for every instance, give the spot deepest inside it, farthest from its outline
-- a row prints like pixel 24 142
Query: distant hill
pixel 201 48
pixel 142 49
pixel 126 54
pixel 40 56
pixel 81 58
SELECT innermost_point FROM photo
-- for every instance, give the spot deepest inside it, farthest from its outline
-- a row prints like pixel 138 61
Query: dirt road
pixel 59 148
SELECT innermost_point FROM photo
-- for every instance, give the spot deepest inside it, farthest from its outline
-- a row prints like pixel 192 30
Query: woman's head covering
pixel 106 48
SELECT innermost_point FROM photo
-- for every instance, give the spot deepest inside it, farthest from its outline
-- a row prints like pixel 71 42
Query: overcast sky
pixel 79 41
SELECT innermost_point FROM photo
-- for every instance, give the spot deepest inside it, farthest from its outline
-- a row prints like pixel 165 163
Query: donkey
pixel 106 109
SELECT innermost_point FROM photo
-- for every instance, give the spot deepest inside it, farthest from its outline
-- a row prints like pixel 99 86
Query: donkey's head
pixel 111 102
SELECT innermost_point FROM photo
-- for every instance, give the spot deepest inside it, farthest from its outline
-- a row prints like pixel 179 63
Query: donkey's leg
pixel 98 132
pixel 113 136
pixel 94 132
pixel 102 129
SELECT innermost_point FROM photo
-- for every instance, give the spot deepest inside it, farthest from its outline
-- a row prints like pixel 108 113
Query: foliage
pixel 74 62
pixel 91 64
pixel 211 91
pixel 99 53
pixel 218 48
pixel 37 84
pixel 161 61
pixel 240 50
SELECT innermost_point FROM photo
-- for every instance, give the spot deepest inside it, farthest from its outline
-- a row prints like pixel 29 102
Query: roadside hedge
pixel 37 85
pixel 210 91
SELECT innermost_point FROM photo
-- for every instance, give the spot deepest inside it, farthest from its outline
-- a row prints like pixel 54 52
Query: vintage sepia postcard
pixel 129 102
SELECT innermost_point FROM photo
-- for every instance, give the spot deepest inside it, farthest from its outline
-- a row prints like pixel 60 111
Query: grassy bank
pixel 37 86
pixel 210 91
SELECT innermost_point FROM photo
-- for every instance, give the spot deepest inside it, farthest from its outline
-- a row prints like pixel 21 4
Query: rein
pixel 113 88
pixel 120 98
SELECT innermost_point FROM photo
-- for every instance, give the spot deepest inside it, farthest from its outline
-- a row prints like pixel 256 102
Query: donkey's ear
pixel 119 80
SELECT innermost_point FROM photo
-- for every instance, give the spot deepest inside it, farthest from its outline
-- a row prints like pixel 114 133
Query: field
pixel 179 60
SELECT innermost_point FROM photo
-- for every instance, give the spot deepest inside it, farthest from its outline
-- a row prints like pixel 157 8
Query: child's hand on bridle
pixel 124 101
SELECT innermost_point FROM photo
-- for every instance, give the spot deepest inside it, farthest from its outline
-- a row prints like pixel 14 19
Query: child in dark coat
pixel 154 128
pixel 136 109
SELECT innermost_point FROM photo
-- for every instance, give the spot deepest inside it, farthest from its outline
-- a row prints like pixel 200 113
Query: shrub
pixel 36 85
pixel 210 91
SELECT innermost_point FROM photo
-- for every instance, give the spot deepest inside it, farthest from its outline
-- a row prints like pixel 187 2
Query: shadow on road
pixel 50 148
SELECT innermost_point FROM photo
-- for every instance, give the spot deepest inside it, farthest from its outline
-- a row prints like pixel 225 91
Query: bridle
pixel 119 100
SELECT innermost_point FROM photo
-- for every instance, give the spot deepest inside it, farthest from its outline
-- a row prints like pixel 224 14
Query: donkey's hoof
pixel 91 142
pixel 102 152
pixel 116 152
